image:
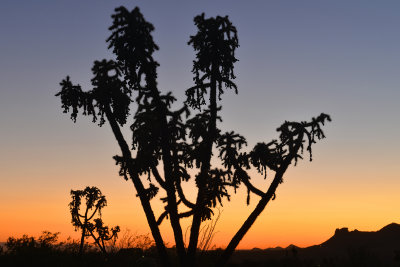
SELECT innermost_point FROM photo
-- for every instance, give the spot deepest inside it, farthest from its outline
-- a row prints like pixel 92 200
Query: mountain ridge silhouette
pixel 388 235
pixel 360 248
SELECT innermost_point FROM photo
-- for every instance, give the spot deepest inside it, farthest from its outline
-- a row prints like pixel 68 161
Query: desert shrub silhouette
pixel 90 222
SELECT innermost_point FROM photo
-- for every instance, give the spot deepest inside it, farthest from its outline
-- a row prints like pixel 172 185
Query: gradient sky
pixel 296 60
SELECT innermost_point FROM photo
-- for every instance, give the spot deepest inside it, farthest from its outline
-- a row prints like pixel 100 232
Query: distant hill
pixel 388 236
pixel 344 248
pixel 383 245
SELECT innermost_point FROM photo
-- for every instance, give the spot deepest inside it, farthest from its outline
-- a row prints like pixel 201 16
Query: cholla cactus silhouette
pixel 171 147
pixel 89 222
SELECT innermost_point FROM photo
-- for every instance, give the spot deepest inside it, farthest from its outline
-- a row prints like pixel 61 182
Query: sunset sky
pixel 296 60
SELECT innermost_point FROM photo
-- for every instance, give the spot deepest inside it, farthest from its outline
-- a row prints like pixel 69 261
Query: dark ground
pixel 344 249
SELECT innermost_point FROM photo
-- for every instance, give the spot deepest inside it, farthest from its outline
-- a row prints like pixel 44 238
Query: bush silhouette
pixel 28 244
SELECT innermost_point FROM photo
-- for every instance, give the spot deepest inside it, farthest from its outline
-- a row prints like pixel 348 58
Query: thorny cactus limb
pixel 277 156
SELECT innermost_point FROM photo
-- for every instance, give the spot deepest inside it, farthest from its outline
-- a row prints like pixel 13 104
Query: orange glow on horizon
pixel 303 213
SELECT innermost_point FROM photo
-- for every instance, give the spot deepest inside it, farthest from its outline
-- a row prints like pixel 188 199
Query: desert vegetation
pixel 172 146
pixel 89 222
pixel 47 250
pixel 139 250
